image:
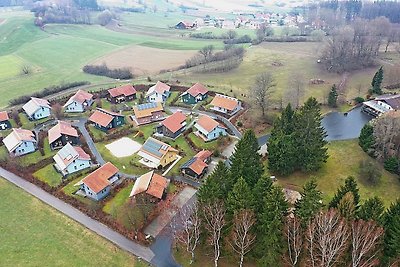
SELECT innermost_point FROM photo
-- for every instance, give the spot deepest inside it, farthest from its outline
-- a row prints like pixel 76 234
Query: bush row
pixel 103 70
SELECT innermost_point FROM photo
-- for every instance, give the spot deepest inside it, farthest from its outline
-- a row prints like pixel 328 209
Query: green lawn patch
pixel 47 237
pixel 111 207
pixel 212 145
pixel 97 133
pixel 49 175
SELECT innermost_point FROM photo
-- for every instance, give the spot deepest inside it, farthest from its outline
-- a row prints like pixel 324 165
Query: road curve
pixel 97 227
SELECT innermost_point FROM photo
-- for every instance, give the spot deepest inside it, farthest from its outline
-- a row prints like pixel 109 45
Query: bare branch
pixel 294 237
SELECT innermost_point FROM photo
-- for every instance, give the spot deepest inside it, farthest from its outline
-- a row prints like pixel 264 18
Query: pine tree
pixel 346 206
pixel 285 123
pixel 366 139
pixel 310 137
pixel 372 209
pixel 270 243
pixel 392 231
pixel 310 202
pixel 246 162
pixel 350 185
pixel 260 190
pixel 377 82
pixel 214 188
pixel 332 97
pixel 240 197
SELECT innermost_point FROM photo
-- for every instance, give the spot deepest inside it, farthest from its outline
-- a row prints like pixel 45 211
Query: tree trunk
pixel 241 261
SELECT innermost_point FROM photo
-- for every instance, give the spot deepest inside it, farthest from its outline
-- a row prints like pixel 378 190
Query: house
pixel 148 112
pixel 71 159
pixel 20 142
pixel 4 121
pixel 158 93
pixel 79 102
pixel 172 126
pixel 225 104
pixel 209 129
pixel 97 185
pixel 195 94
pixel 106 120
pixel 61 134
pixel 228 24
pixel 183 25
pixel 121 94
pixel 381 105
pixel 156 154
pixel 199 22
pixel 197 166
pixel 151 183
pixel 37 108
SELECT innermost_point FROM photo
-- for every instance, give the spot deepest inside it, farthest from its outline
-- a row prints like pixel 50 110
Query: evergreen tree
pixel 286 122
pixel 310 137
pixel 310 202
pixel 240 197
pixel 392 164
pixel 366 139
pixel 246 162
pixel 332 97
pixel 214 188
pixel 350 185
pixel 260 190
pixel 346 206
pixel 270 243
pixel 392 231
pixel 377 82
pixel 372 209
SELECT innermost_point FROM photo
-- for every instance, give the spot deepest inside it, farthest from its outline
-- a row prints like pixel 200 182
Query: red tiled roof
pixel 174 122
pixel 101 118
pixel 203 155
pixel 82 154
pixel 126 90
pixel 4 116
pixel 198 166
pixel 157 186
pixel 82 96
pixel 207 123
pixel 98 180
pixel 161 87
pixel 60 128
pixel 224 102
pixel 197 89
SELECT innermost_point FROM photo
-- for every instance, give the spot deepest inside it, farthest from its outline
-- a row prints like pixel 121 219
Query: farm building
pixel 208 128
pixel 37 108
pixel 156 154
pixel 106 120
pixel 195 94
pixel 151 183
pixel 172 126
pixel 79 102
pixel 183 25
pixel 381 105
pixel 148 112
pixel 97 185
pixel 61 134
pixel 225 104
pixel 197 166
pixel 121 94
pixel 20 142
pixel 71 159
pixel 158 92
pixel 4 121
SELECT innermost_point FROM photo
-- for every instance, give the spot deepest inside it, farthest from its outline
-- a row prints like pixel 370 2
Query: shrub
pixel 392 165
pixel 216 153
pixel 239 124
pixel 241 40
pixel 370 172
pixel 103 70
pixel 366 139
pixel 359 100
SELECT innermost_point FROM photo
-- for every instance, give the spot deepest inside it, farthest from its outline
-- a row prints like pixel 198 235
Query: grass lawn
pixel 212 145
pixel 112 206
pixel 97 134
pixel 344 160
pixel 49 175
pixel 48 238
pixel 171 98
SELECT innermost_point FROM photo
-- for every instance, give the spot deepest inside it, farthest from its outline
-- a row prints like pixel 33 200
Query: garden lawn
pixel 49 175
pixel 344 159
pixel 212 145
pixel 118 200
pixel 48 238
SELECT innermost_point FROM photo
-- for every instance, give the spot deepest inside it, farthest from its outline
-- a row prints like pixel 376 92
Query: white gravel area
pixel 123 147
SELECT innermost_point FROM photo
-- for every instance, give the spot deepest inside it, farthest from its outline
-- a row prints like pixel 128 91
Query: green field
pixel 33 234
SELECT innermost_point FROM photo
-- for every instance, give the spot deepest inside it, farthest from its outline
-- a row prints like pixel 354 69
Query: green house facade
pixel 195 94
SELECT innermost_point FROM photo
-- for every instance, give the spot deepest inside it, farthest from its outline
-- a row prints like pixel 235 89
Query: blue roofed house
pixel 97 185
pixel 37 108
pixel 79 102
pixel 209 129
pixel 71 159
pixel 158 92
pixel 20 142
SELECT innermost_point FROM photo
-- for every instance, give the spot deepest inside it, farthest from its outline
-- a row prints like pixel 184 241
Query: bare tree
pixel 392 36
pixel 186 228
pixel 207 52
pixel 58 111
pixel 231 34
pixel 214 214
pixel 294 237
pixel 26 70
pixel 295 90
pixel 365 243
pixel 386 134
pixel 261 91
pixel 242 238
pixel 327 235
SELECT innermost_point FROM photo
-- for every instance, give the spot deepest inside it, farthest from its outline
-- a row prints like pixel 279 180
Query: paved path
pixel 102 230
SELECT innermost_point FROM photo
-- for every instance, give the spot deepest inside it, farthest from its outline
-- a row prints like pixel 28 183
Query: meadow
pixel 33 231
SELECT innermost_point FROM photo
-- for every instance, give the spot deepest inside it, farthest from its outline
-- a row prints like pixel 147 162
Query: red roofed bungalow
pixel 4 121
pixel 151 183
pixel 106 120
pixel 182 25
pixel 61 134
pixel 195 94
pixel 172 126
pixel 198 165
pixel 121 94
